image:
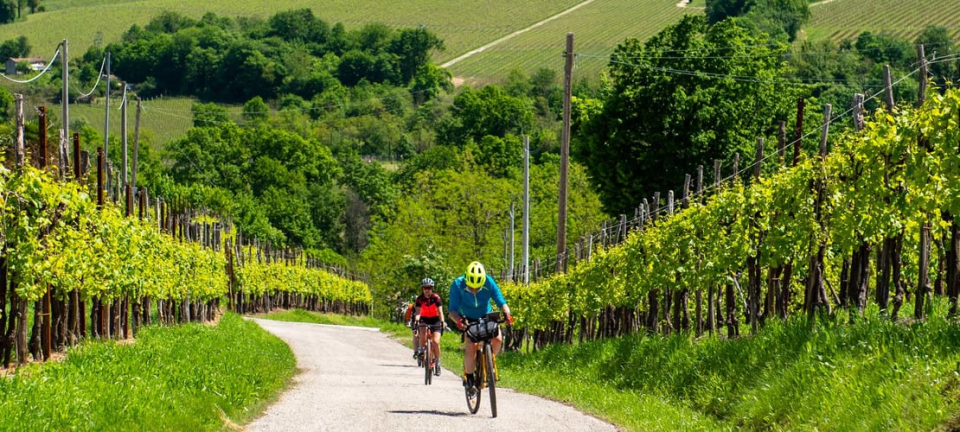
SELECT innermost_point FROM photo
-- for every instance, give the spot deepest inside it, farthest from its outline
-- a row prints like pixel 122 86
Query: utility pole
pixel 123 139
pixel 136 143
pixel 65 99
pixel 526 210
pixel 511 274
pixel 564 153
pixel 106 115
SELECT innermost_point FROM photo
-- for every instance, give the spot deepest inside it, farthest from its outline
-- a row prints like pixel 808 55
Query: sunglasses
pixel 427 287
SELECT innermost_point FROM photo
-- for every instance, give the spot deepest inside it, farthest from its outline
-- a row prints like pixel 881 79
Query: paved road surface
pixel 355 379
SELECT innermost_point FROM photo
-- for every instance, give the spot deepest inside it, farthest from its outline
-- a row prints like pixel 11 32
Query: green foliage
pixel 8 11
pixel 18 47
pixel 450 213
pixel 708 244
pixel 937 41
pixel 187 377
pixel 255 110
pixel 777 18
pixel 289 180
pixel 655 125
pixel 291 52
pixel 488 111
pixel 300 315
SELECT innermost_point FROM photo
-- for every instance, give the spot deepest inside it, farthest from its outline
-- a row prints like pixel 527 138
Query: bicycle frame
pixel 485 371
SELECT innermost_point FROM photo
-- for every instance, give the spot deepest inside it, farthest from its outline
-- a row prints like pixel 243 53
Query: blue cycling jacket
pixel 474 306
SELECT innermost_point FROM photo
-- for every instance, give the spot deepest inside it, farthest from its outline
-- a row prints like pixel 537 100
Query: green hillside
pixel 598 27
pixel 840 19
pixel 464 26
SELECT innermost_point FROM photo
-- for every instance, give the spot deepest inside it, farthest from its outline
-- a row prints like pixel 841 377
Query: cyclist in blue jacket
pixel 470 296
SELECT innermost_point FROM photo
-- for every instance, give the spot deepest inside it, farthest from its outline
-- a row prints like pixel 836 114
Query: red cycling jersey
pixel 429 306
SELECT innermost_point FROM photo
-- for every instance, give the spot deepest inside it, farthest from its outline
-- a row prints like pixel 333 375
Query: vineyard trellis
pixel 884 197
pixel 92 268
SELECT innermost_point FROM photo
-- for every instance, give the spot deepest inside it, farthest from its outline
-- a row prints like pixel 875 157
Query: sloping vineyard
pixel 869 224
pixel 67 257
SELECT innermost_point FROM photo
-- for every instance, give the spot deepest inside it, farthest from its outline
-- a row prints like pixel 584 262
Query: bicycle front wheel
pixel 427 369
pixel 491 377
pixel 473 392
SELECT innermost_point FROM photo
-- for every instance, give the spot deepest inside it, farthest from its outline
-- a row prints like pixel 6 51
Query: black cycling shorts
pixel 434 322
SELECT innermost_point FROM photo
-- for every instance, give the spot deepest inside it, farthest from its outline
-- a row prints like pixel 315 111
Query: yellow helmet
pixel 476 275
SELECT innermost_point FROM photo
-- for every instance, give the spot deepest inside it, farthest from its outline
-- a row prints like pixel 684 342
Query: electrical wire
pixel 55 55
pixel 99 77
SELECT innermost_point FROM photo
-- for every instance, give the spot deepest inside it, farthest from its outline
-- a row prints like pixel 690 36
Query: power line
pixel 99 77
pixel 49 65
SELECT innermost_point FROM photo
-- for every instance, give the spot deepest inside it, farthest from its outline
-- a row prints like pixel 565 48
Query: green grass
pixel 299 315
pixel 597 27
pixel 161 120
pixel 190 377
pixel 845 19
pixel 873 375
pixel 462 26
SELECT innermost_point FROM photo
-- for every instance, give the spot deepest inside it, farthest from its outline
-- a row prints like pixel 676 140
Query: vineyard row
pixel 873 219
pixel 87 267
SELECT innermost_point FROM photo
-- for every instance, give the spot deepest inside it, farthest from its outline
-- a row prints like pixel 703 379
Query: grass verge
pixel 300 315
pixel 190 377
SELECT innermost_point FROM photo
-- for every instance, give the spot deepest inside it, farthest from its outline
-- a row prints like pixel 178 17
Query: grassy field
pixel 190 377
pixel 871 375
pixel 161 120
pixel 462 25
pixel 597 27
pixel 841 19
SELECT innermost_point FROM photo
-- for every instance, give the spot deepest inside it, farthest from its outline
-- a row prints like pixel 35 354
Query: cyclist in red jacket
pixel 429 311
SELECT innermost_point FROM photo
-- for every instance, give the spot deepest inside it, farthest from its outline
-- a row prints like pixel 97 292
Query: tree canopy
pixel 664 112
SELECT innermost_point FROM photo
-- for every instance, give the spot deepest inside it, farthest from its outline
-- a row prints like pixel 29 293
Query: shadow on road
pixel 401 365
pixel 431 412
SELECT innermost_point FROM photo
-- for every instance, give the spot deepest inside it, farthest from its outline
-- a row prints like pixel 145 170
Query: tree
pixel 936 39
pixel 8 11
pixel 255 110
pixel 664 114
pixel 488 111
pixel 18 47
pixel 299 25
pixel 412 48
pixel 776 18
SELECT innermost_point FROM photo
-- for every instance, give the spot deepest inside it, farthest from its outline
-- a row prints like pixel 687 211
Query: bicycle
pixel 426 358
pixel 485 374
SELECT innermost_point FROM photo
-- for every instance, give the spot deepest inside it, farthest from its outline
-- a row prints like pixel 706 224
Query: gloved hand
pixel 509 319
pixel 461 323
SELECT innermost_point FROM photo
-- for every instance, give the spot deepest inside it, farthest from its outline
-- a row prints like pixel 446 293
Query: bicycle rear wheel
pixel 490 376
pixel 427 369
pixel 473 392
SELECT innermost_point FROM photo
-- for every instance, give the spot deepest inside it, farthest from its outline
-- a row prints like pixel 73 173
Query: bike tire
pixel 490 376
pixel 427 370
pixel 473 402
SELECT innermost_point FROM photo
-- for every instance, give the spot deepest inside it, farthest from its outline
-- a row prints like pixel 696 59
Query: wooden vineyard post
pixel 815 293
pixel 798 134
pixel 753 262
pixel 781 144
pixel 699 294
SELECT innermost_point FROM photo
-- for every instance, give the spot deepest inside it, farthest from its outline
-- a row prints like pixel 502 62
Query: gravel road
pixel 358 379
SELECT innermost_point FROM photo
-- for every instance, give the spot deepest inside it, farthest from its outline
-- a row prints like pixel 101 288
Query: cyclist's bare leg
pixel 496 342
pixel 470 357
